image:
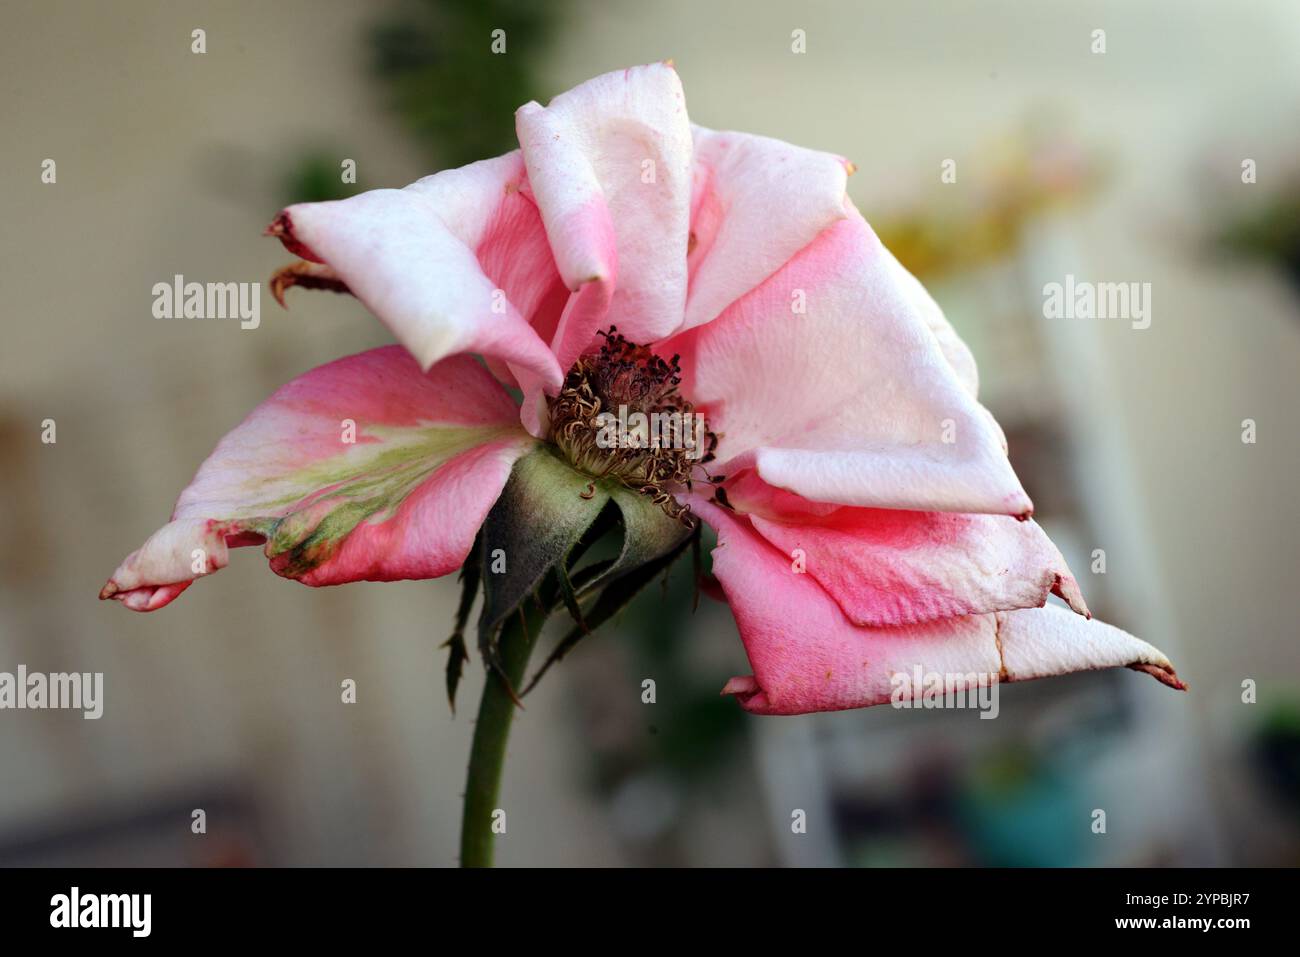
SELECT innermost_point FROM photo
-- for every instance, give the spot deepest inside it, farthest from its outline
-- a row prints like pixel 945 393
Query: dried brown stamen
pixel 619 415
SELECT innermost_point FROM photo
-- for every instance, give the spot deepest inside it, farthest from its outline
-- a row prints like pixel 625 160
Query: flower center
pixel 619 415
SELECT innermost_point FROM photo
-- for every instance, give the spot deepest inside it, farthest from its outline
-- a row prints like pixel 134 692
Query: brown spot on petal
pixel 1003 675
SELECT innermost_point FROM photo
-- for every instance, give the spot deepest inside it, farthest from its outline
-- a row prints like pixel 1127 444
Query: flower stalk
pixel 487 754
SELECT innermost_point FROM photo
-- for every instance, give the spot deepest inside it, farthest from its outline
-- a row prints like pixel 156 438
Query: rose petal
pixel 457 262
pixel 895 567
pixel 954 349
pixel 757 202
pixel 609 163
pixel 850 400
pixel 429 454
pixel 1041 642
pixel 808 656
pixel 586 309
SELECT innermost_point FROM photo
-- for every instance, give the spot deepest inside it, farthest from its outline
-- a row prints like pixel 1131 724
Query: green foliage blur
pixel 314 178
pixel 459 98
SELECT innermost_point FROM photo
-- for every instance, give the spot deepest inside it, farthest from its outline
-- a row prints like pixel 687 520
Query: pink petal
pixel 586 310
pixel 609 163
pixel 433 261
pixel 808 656
pixel 1042 642
pixel 757 202
pixel 431 453
pixel 852 401
pixel 895 567
pixel 951 345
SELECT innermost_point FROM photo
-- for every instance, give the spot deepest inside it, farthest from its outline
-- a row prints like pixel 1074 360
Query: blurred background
pixel 1124 165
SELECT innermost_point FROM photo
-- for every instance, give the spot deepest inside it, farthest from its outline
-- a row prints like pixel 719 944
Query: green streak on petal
pixel 369 465
pixel 315 508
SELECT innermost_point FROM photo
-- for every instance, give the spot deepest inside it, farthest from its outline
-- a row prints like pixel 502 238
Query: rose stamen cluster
pixel 657 457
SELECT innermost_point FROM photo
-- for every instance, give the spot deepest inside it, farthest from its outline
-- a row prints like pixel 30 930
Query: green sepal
pixel 648 534
pixel 616 596
pixel 567 593
pixel 542 513
pixel 546 518
pixel 458 654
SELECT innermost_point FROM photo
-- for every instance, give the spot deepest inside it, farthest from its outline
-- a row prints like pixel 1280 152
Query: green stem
pixel 487 755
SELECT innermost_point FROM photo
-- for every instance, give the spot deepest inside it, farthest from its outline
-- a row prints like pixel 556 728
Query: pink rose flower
pixel 868 519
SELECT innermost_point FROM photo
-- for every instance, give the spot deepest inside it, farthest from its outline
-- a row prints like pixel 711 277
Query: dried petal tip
pixel 308 275
pixel 1067 589
pixel 740 686
pixel 1165 675
pixel 282 229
